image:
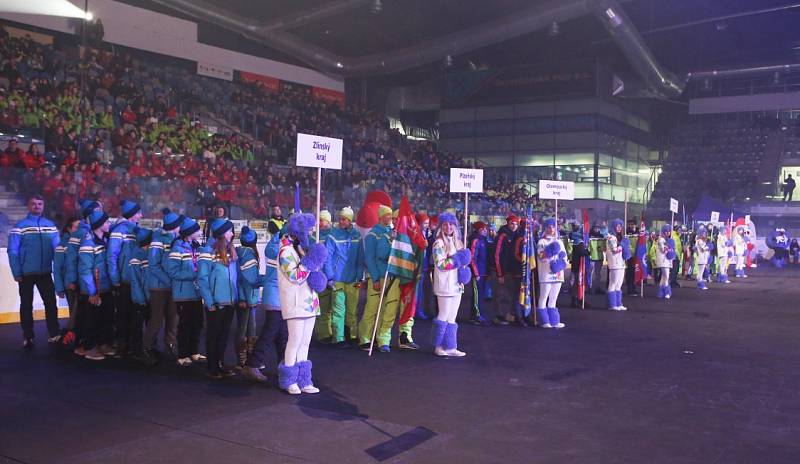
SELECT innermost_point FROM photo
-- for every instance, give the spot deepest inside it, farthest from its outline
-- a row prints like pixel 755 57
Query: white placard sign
pixel 556 190
pixel 314 151
pixel 715 216
pixel 466 180
pixel 673 205
pixel 747 219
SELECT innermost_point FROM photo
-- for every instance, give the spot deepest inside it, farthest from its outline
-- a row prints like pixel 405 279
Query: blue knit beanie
pixel 129 208
pixel 87 206
pixel 188 227
pixel 220 226
pixel 171 220
pixel 97 219
pixel 248 237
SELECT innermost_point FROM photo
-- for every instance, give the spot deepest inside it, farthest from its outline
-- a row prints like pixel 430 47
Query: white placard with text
pixel 314 151
pixel 556 190
pixel 673 205
pixel 715 216
pixel 466 180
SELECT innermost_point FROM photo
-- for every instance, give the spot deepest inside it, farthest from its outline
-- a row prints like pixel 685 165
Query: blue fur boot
pixel 660 293
pixel 667 292
pixel 437 335
pixel 451 341
pixel 304 377
pixel 287 378
pixel 612 300
pixel 544 319
pixel 701 284
pixel 619 301
pixel 555 318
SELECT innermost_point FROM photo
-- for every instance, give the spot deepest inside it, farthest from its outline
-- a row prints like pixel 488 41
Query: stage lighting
pixel 89 16
pixel 376 7
pixel 448 61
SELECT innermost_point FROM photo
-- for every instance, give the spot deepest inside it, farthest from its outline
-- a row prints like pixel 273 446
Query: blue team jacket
pixel 377 245
pixel 157 256
pixel 270 296
pixel 140 293
pixel 250 281
pixel 218 282
pixel 119 251
pixel 182 268
pixel 345 261
pixel 31 246
pixel 92 256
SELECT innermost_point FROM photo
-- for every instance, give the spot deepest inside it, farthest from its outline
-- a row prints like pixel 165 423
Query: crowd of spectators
pixel 133 134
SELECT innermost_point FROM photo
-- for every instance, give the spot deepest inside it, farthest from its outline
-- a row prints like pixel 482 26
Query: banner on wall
pixel 328 95
pixel 214 70
pixel 270 83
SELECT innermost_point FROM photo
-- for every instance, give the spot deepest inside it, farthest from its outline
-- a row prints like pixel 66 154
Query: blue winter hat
pixel 616 222
pixel 248 237
pixel 87 206
pixel 171 220
pixel 549 222
pixel 188 227
pixel 97 219
pixel 447 217
pixel 220 226
pixel 129 208
pixel 666 229
pixel 143 235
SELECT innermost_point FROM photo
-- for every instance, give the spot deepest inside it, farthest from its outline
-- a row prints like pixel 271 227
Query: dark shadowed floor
pixel 708 377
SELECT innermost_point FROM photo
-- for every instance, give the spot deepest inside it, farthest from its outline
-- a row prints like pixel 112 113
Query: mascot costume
pixel 299 281
pixel 779 242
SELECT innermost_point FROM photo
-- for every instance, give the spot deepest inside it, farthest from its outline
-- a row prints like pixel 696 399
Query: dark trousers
pixel 788 193
pixel 98 323
pixel 428 304
pixel 136 320
pixel 676 265
pixel 219 325
pixel 508 295
pixel 122 316
pixel 271 343
pixel 630 276
pixel 190 325
pixel 43 283
pixel 161 308
pixel 72 300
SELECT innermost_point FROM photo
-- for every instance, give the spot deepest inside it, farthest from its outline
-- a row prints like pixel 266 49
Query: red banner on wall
pixel 269 82
pixel 329 95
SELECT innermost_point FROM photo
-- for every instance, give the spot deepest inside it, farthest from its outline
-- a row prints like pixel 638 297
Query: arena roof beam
pixel 517 24
pixel 301 18
pixel 627 37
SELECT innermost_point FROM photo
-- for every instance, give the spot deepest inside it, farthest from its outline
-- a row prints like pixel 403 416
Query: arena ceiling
pixel 684 35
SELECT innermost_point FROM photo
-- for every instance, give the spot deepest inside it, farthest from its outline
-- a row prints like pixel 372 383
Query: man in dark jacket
pixel 508 269
pixel 479 246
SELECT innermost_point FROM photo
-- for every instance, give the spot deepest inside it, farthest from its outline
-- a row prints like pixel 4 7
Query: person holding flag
pixel 702 252
pixel 405 261
pixel 665 255
pixel 377 248
pixel 507 267
pixel 450 272
pixel 642 268
pixel 552 259
pixel 618 250
pixel 724 255
pixel 479 247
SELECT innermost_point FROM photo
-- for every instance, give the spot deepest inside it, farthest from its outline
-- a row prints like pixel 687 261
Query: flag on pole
pixel 527 253
pixel 582 264
pixel 405 258
pixel 297 197
pixel 402 257
pixel 640 267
